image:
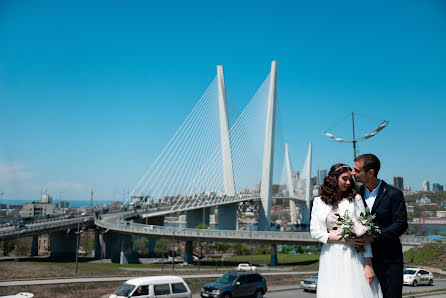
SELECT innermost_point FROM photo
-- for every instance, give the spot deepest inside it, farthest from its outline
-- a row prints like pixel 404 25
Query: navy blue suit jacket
pixel 391 218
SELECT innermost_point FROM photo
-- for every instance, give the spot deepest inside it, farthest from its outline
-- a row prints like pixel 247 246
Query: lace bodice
pixel 332 221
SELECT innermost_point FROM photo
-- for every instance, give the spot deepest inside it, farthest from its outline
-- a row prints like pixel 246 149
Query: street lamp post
pixel 77 245
pixel 198 259
pixel 250 245
pixel 173 250
pixel 354 140
pixel 162 251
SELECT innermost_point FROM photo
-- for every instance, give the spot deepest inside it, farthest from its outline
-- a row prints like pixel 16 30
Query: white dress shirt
pixel 370 196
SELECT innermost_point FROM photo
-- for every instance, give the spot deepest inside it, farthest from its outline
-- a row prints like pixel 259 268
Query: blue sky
pixel 91 91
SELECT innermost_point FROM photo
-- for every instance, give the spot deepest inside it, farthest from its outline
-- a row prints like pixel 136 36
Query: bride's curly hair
pixel 329 194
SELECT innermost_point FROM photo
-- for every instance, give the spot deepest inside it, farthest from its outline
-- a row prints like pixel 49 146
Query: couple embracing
pixel 367 266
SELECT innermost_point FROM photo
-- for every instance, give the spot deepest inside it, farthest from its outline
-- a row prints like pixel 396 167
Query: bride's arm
pixel 317 231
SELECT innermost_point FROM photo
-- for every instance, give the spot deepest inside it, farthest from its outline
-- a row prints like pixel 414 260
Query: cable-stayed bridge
pixel 208 156
pixel 207 164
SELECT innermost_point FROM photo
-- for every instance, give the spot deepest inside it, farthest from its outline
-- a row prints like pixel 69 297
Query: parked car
pixel 309 284
pixel 154 286
pixel 19 295
pixel 417 276
pixel 236 285
pixel 246 267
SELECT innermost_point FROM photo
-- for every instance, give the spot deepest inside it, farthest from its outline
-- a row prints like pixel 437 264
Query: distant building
pixel 313 181
pixel 398 182
pixel 441 213
pixel 321 173
pixel 407 188
pixel 46 199
pixel 296 178
pixel 423 200
pixel 63 205
pixel 410 209
pixel 437 187
pixel 426 185
pixel 37 209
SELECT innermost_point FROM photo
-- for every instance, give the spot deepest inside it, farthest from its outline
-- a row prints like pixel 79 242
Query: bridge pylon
pixel 290 185
pixel 268 154
pixel 226 156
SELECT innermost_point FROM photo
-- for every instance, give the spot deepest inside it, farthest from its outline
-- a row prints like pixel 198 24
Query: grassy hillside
pixel 432 254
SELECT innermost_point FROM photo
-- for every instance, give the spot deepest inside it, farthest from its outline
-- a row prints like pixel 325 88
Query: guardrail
pixel 189 234
pixel 35 228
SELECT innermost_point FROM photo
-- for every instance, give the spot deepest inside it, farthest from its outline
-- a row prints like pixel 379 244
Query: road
pixel 296 292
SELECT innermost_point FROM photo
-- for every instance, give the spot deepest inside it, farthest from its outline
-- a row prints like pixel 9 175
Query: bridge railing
pixel 204 233
pixel 42 226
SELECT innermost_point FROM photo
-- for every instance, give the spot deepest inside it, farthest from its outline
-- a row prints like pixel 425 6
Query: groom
pixel 387 203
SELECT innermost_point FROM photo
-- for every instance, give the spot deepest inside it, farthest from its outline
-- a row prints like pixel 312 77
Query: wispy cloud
pixel 14 172
pixel 66 186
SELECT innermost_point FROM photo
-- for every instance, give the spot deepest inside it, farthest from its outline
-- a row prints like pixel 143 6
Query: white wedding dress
pixel 341 267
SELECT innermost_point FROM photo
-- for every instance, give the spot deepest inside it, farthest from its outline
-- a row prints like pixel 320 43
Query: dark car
pixel 20 226
pixel 236 285
pixel 27 220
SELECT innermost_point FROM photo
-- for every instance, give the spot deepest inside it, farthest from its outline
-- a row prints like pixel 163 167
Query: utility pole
pixel 354 139
pixel 77 245
pixel 91 201
pixel 173 250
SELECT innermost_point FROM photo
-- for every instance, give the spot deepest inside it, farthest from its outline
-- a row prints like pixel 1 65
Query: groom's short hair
pixel 371 162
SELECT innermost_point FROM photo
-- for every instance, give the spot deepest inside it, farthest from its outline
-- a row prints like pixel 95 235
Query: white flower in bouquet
pixel 356 227
pixel 359 229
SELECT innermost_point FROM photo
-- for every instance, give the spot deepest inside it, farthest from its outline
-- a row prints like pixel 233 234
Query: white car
pixel 19 295
pixel 417 276
pixel 154 286
pixel 246 267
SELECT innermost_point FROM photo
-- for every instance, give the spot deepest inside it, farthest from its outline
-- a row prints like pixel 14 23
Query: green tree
pixel 141 246
pixel 162 246
pixel 240 249
pixel 222 246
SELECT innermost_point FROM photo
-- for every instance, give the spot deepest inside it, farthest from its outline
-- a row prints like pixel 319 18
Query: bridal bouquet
pixel 356 227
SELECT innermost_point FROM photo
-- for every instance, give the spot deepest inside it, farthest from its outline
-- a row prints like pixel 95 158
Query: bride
pixel 343 272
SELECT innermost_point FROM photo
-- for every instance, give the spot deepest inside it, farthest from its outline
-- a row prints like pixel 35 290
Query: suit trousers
pixel 390 276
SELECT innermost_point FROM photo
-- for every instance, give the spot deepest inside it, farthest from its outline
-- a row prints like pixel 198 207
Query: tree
pixel 222 246
pixel 162 246
pixel 141 246
pixel 240 249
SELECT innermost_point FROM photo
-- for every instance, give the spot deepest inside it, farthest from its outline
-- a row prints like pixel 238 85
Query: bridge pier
pixel 194 218
pixel 35 246
pixel 305 213
pixel 99 252
pixel 197 217
pixel 189 252
pixel 127 254
pixel 227 217
pixel 274 255
pixel 119 248
pixel 63 245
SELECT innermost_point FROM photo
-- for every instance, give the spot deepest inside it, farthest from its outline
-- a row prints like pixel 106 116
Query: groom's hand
pixel 356 242
pixel 369 273
pixel 366 240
